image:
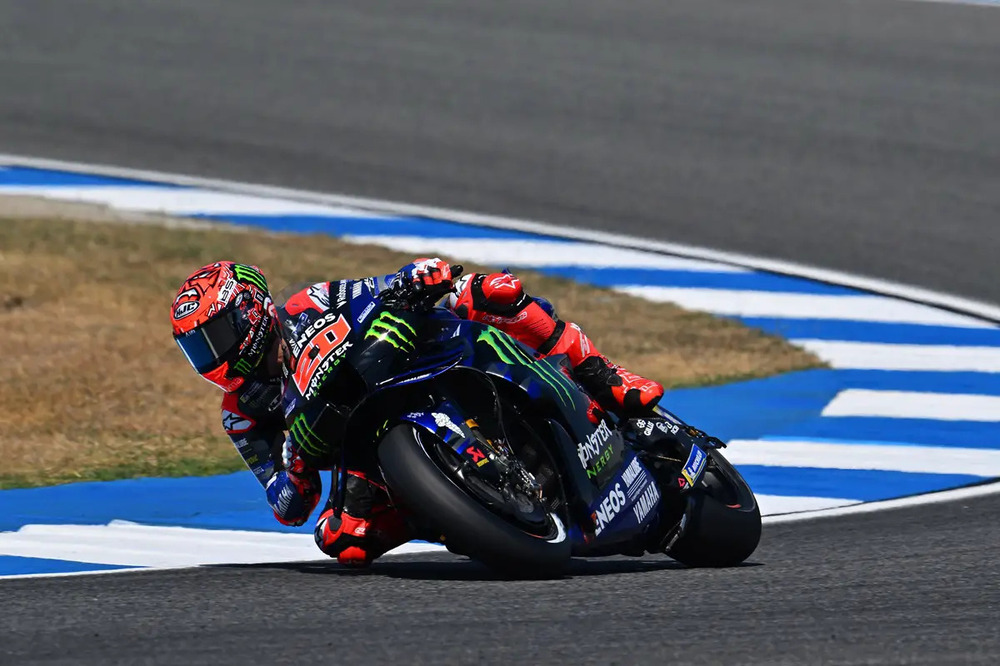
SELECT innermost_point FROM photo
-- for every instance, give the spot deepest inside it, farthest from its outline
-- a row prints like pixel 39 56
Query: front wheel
pixel 528 540
pixel 722 519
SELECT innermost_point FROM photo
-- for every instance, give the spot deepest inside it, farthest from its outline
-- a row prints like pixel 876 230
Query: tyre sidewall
pixel 468 527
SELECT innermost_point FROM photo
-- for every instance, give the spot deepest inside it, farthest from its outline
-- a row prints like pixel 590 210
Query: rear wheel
pixel 504 527
pixel 723 519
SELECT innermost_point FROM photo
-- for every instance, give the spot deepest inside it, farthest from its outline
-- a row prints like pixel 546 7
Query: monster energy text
pixel 590 449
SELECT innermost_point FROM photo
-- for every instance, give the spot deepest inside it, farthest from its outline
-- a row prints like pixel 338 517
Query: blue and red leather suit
pixel 259 414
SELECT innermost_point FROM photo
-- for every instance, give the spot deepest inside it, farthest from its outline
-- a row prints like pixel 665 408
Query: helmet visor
pixel 211 344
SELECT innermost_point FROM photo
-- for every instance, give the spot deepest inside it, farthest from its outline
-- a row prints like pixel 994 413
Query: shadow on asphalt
pixel 467 570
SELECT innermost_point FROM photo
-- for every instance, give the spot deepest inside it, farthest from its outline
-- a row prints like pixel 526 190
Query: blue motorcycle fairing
pixel 628 504
pixel 446 422
pixel 617 495
pixel 613 495
pixel 446 342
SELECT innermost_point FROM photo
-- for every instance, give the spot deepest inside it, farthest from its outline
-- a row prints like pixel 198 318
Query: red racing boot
pixel 367 527
pixel 499 299
pixel 615 388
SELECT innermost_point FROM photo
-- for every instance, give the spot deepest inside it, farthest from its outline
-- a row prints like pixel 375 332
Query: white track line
pixel 382 206
pixel 804 306
pixel 914 405
pixel 176 201
pixel 127 544
pixel 882 356
pixel 886 457
pixel 956 495
pixel 973 3
pixel 144 546
pixel 772 505
pixel 539 253
pixel 963 306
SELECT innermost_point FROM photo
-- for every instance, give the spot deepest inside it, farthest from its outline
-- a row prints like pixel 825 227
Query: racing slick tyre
pixel 723 519
pixel 411 463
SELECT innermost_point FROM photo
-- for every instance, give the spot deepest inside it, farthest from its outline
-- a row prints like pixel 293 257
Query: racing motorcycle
pixel 492 451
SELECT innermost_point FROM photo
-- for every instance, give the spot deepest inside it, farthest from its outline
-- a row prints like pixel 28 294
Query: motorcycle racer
pixel 267 358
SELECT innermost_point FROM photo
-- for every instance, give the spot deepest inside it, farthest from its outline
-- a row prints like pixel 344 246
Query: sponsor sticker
pixel 235 423
pixel 667 427
pixel 497 319
pixel 227 290
pixel 326 350
pixel 608 509
pixel 647 427
pixel 634 472
pixel 186 309
pixel 319 294
pixel 695 464
pixel 367 311
pixel 444 421
pixel 478 456
pixel 646 502
pixel 591 448
pixel 505 281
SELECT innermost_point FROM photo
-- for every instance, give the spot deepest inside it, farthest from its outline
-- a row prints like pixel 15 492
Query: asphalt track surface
pixel 859 135
pixel 909 586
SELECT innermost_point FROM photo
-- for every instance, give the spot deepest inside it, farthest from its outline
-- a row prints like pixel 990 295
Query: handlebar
pixel 411 295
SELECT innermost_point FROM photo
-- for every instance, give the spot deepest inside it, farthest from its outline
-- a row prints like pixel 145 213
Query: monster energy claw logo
pixel 512 354
pixel 390 328
pixel 243 366
pixel 251 275
pixel 305 437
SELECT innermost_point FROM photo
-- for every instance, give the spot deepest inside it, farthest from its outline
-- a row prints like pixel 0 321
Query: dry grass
pixel 92 386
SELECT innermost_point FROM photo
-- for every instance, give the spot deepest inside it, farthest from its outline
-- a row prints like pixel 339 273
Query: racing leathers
pixel 259 414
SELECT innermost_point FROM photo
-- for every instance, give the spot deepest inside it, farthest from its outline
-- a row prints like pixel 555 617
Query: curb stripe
pixel 870 331
pixel 855 455
pixel 940 365
pixel 876 356
pixel 13 565
pixel 626 278
pixel 915 405
pixel 183 201
pixel 863 485
pixel 536 253
pixel 374 227
pixel 799 306
pixel 913 432
pixel 980 383
pixel 20 176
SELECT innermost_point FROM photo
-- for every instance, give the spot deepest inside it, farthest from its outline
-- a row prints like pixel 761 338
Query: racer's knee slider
pixel 365 529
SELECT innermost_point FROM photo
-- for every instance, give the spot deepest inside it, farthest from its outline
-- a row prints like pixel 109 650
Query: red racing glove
pixel 431 272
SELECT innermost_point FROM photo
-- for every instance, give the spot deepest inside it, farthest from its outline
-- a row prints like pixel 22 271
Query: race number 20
pixel 317 350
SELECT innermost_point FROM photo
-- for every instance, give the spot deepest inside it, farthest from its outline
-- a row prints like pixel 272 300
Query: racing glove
pixel 431 273
pixel 421 284
pixel 293 496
